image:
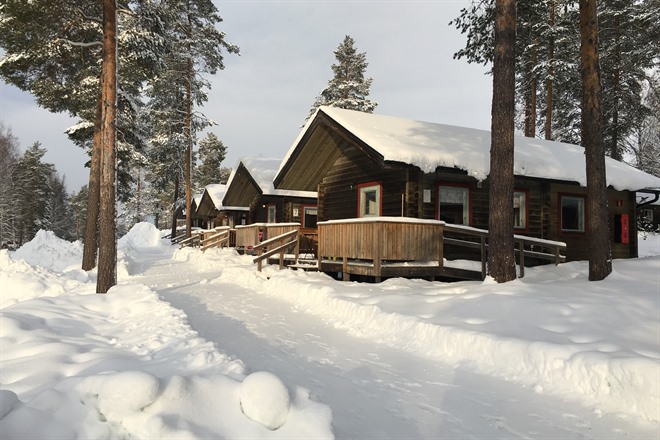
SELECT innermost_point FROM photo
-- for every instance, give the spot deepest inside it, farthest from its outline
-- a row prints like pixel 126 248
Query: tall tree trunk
pixel 530 100
pixel 501 255
pixel 600 256
pixel 175 209
pixel 615 151
pixel 90 242
pixel 107 270
pixel 551 73
pixel 189 75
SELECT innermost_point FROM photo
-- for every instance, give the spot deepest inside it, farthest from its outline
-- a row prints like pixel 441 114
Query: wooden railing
pixel 415 242
pixel 193 240
pixel 217 238
pixel 537 248
pixel 277 245
pixel 249 236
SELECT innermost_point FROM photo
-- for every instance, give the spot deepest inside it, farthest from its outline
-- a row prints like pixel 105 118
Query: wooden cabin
pixel 648 209
pixel 250 187
pixel 367 165
pixel 210 212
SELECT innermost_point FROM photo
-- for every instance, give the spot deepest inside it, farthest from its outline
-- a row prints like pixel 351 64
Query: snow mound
pixel 265 399
pixel 8 401
pixel 141 235
pixel 51 252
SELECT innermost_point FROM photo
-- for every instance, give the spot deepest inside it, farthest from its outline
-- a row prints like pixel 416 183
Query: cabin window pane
pixel 572 214
pixel 309 216
pixel 271 214
pixel 369 199
pixel 454 204
pixel 519 210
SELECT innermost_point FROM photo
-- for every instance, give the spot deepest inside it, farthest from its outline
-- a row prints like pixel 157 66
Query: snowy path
pixel 374 391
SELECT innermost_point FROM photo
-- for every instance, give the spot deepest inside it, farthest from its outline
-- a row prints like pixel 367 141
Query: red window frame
pixel 526 192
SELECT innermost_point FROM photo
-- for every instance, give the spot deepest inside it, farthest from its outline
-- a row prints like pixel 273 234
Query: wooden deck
pixel 385 247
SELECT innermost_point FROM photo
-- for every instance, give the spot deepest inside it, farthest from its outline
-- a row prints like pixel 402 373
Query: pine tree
pixel 600 255
pixel 195 47
pixel 31 193
pixel 78 208
pixel 59 210
pixel 211 154
pixel 348 88
pixel 501 257
pixel 9 156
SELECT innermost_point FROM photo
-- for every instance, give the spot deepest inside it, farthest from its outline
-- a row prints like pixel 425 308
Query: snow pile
pixel 141 235
pixel 265 399
pixel 120 365
pixel 51 252
pixel 552 330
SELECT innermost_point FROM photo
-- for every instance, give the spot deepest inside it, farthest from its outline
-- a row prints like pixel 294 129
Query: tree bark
pixel 551 74
pixel 189 75
pixel 600 257
pixel 175 209
pixel 90 242
pixel 107 270
pixel 501 255
pixel 530 100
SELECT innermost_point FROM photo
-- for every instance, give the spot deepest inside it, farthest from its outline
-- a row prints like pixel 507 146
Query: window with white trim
pixel 572 213
pixel 519 210
pixel 454 204
pixel 369 200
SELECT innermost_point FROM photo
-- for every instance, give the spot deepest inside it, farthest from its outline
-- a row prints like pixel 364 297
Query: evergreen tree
pixel 598 242
pixel 78 208
pixel 501 256
pixel 195 47
pixel 548 70
pixel 59 210
pixel 211 154
pixel 31 194
pixel 9 156
pixel 348 88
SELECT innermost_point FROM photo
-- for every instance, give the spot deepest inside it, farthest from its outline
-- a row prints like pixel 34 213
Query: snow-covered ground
pixel 200 345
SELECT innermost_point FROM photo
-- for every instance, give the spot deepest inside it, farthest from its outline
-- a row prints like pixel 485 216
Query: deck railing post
pixel 522 259
pixel 441 248
pixel 483 257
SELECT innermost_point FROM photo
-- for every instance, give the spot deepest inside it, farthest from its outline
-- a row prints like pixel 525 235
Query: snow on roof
pixel 217 192
pixel 263 171
pixel 197 198
pixel 429 145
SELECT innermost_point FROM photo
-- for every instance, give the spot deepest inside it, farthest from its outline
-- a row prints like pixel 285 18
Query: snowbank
pixel 80 365
pixel 552 331
pixel 50 252
pixel 141 235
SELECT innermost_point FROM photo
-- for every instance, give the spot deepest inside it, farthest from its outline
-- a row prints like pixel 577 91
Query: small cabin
pixel 210 212
pixel 368 165
pixel 250 187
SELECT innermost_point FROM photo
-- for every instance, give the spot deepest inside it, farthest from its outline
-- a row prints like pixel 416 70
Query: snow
pixel 263 171
pixel 195 344
pixel 217 192
pixel 430 145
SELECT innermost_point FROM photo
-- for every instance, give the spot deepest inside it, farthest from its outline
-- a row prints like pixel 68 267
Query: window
pixel 454 204
pixel 369 199
pixel 271 214
pixel 520 209
pixel 309 216
pixel 572 214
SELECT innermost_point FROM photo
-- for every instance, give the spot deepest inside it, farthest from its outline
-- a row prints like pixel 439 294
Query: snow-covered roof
pixel 263 171
pixel 430 145
pixel 217 192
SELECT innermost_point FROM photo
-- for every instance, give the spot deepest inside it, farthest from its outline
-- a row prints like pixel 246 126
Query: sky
pixel 262 97
pixel 200 345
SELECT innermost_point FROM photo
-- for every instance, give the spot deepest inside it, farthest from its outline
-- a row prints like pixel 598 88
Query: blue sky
pixel 262 97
